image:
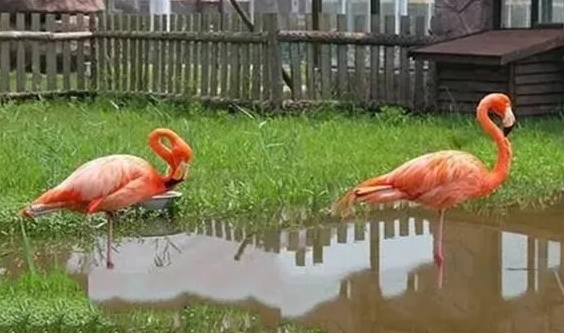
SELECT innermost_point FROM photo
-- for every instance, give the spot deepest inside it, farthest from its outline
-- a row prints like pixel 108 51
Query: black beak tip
pixel 507 130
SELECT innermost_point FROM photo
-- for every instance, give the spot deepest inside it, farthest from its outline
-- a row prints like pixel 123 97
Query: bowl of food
pixel 160 201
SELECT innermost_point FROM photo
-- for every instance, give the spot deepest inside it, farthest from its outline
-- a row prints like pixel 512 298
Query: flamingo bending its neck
pixel 443 179
pixel 110 183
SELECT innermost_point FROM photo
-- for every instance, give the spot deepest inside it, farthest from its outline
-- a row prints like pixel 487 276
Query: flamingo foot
pixel 109 265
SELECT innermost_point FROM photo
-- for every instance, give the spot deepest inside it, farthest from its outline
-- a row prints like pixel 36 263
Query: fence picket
pixel 80 59
pixel 5 48
pixel 21 58
pixel 51 54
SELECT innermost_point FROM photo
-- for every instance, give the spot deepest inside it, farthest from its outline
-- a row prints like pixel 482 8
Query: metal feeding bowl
pixel 161 201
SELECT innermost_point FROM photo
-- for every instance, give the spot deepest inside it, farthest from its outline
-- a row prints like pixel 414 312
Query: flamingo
pixel 110 183
pixel 443 179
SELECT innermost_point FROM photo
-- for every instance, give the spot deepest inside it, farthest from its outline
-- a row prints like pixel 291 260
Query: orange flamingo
pixel 110 183
pixel 443 179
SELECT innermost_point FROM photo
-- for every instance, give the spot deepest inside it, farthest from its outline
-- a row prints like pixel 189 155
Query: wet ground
pixel 500 274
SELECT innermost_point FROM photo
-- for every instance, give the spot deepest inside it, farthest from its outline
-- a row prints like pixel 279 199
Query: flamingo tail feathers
pixel 50 201
pixel 370 191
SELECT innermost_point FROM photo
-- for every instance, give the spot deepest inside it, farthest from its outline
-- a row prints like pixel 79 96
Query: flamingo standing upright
pixel 110 183
pixel 443 179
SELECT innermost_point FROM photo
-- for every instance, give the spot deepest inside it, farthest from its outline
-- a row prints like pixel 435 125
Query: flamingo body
pixel 436 180
pixel 110 183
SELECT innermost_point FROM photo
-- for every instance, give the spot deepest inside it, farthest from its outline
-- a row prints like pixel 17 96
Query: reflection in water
pixel 346 277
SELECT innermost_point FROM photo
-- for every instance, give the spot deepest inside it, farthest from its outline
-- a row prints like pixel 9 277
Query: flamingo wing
pixel 90 186
pixel 440 179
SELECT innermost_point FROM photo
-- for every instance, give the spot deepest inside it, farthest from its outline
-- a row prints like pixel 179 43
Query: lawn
pixel 259 167
pixel 263 170
pixel 53 303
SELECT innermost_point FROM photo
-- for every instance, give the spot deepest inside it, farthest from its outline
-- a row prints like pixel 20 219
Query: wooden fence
pixel 215 57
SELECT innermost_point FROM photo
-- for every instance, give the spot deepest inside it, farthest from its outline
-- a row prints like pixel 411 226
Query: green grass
pixel 248 165
pixel 40 302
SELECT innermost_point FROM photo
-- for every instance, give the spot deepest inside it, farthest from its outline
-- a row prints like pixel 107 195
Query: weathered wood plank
pixel 188 58
pixel 524 100
pixel 494 74
pixel 471 86
pixel 35 57
pixel 311 82
pixel 134 63
pixel 5 54
pixel 462 97
pixel 177 25
pixel 205 59
pixel 276 83
pixel 118 51
pixel 544 88
pixel 104 54
pixel 20 62
pixel 404 63
pixel 360 60
pixel 224 58
pixel 295 68
pixel 325 59
pixel 80 56
pixel 538 68
pixel 155 56
pixel 196 58
pixel 418 83
pixel 245 69
pixel 375 92
pixel 170 53
pixel 235 68
pixel 552 56
pixel 459 106
pixel 147 57
pixel 539 78
pixel 125 24
pixel 214 56
pixel 389 62
pixel 342 66
pixel 51 54
pixel 164 63
pixel 257 71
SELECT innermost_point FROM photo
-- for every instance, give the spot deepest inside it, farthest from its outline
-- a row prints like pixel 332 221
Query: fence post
pixel 275 56
pixel 92 26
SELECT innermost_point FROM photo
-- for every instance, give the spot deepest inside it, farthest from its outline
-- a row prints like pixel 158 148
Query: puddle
pixel 499 274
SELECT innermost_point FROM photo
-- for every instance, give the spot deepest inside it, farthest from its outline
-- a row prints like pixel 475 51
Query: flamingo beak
pixel 181 170
pixel 508 121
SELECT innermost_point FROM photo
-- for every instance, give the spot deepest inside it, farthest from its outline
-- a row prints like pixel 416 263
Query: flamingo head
pixel 500 105
pixel 182 157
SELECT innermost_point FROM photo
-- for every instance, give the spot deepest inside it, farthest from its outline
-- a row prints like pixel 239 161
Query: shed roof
pixel 494 47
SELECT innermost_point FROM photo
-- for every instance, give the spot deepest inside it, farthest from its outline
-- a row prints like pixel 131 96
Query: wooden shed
pixel 527 64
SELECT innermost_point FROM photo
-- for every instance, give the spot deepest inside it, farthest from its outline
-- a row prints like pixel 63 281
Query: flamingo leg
pixel 109 262
pixel 438 240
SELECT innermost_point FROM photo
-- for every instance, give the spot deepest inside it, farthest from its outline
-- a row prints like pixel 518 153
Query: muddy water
pixel 500 274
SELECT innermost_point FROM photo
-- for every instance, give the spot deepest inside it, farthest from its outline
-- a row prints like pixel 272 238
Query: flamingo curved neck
pixel 504 151
pixel 161 150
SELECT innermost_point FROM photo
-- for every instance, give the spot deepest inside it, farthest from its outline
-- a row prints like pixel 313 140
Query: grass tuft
pixel 251 165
